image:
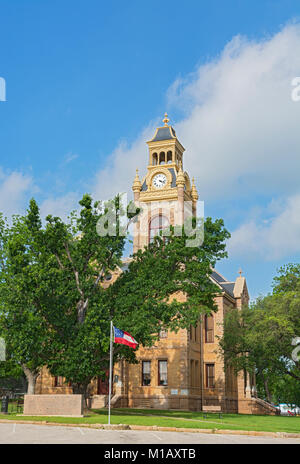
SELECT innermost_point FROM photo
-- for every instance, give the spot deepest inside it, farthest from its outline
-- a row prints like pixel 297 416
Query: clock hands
pixel 159 180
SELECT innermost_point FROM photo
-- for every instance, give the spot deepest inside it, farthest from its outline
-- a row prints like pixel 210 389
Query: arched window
pixel 154 159
pixel 157 224
pixel 169 157
pixel 162 158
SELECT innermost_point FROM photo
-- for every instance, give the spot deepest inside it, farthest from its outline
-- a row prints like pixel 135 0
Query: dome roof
pixel 164 133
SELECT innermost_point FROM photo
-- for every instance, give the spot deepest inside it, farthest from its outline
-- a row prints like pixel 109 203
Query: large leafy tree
pixel 25 285
pixel 11 376
pixel 139 300
pixel 259 338
pixel 68 264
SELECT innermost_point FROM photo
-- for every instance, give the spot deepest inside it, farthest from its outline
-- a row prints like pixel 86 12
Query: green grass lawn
pixel 180 419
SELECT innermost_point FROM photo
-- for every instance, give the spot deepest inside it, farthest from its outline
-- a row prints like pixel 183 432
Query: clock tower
pixel 165 194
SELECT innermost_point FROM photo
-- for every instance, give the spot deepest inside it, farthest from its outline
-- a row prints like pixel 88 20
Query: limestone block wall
pixel 53 405
pixel 214 396
pixel 173 348
pixel 45 384
pixel 256 406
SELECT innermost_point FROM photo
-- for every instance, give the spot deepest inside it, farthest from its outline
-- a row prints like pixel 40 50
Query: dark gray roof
pixel 164 133
pixel 173 183
pixel 217 277
pixel 144 186
pixel 228 287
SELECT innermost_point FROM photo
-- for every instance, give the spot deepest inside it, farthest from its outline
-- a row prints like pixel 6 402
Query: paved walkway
pixel 35 434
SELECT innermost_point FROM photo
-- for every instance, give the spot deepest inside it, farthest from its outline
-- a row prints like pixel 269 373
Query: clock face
pixel 159 180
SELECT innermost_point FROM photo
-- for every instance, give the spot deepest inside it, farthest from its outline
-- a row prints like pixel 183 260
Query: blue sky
pixel 87 82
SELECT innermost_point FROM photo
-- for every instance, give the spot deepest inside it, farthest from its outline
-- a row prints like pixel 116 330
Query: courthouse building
pixel 183 370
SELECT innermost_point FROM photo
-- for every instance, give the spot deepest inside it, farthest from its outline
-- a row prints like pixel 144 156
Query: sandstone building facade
pixel 182 370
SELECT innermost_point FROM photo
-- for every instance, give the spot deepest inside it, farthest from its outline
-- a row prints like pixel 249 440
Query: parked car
pixel 288 409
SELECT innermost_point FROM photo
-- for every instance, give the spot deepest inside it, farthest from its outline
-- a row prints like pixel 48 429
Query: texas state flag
pixel 124 338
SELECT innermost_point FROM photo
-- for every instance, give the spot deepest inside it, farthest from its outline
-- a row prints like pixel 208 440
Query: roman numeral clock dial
pixel 159 181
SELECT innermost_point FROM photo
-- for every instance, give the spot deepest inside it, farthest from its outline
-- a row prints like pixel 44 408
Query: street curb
pixel 218 431
pixel 154 428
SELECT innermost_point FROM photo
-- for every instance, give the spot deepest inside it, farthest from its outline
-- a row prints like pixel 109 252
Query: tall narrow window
pixel 192 333
pixel 169 157
pixel 58 381
pixel 197 374
pixel 146 373
pixel 192 376
pixel 210 375
pixel 197 335
pixel 156 224
pixel 209 329
pixel 154 158
pixel 162 158
pixel 162 372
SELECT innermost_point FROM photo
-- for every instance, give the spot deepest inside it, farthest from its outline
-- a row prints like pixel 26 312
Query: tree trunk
pixel 81 310
pixel 81 389
pixel 265 381
pixel 31 376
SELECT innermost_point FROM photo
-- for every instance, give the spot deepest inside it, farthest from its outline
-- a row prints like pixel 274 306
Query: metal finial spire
pixel 240 272
pixel 166 120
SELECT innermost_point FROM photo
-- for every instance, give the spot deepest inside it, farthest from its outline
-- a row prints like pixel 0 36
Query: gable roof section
pixel 221 282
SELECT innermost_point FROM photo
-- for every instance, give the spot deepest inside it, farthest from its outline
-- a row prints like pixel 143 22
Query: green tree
pixel 23 270
pixel 55 309
pixel 11 376
pixel 259 338
pixel 137 301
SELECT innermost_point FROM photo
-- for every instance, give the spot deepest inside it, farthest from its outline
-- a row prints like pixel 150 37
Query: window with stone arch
pixel 154 159
pixel 162 158
pixel 169 157
pixel 157 224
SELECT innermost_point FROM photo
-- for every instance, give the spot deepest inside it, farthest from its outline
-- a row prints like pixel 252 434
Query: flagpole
pixel 110 368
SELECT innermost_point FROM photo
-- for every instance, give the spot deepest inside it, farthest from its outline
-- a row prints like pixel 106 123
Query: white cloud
pixel 60 206
pixel 241 126
pixel 121 167
pixel 241 133
pixel 15 188
pixel 269 239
